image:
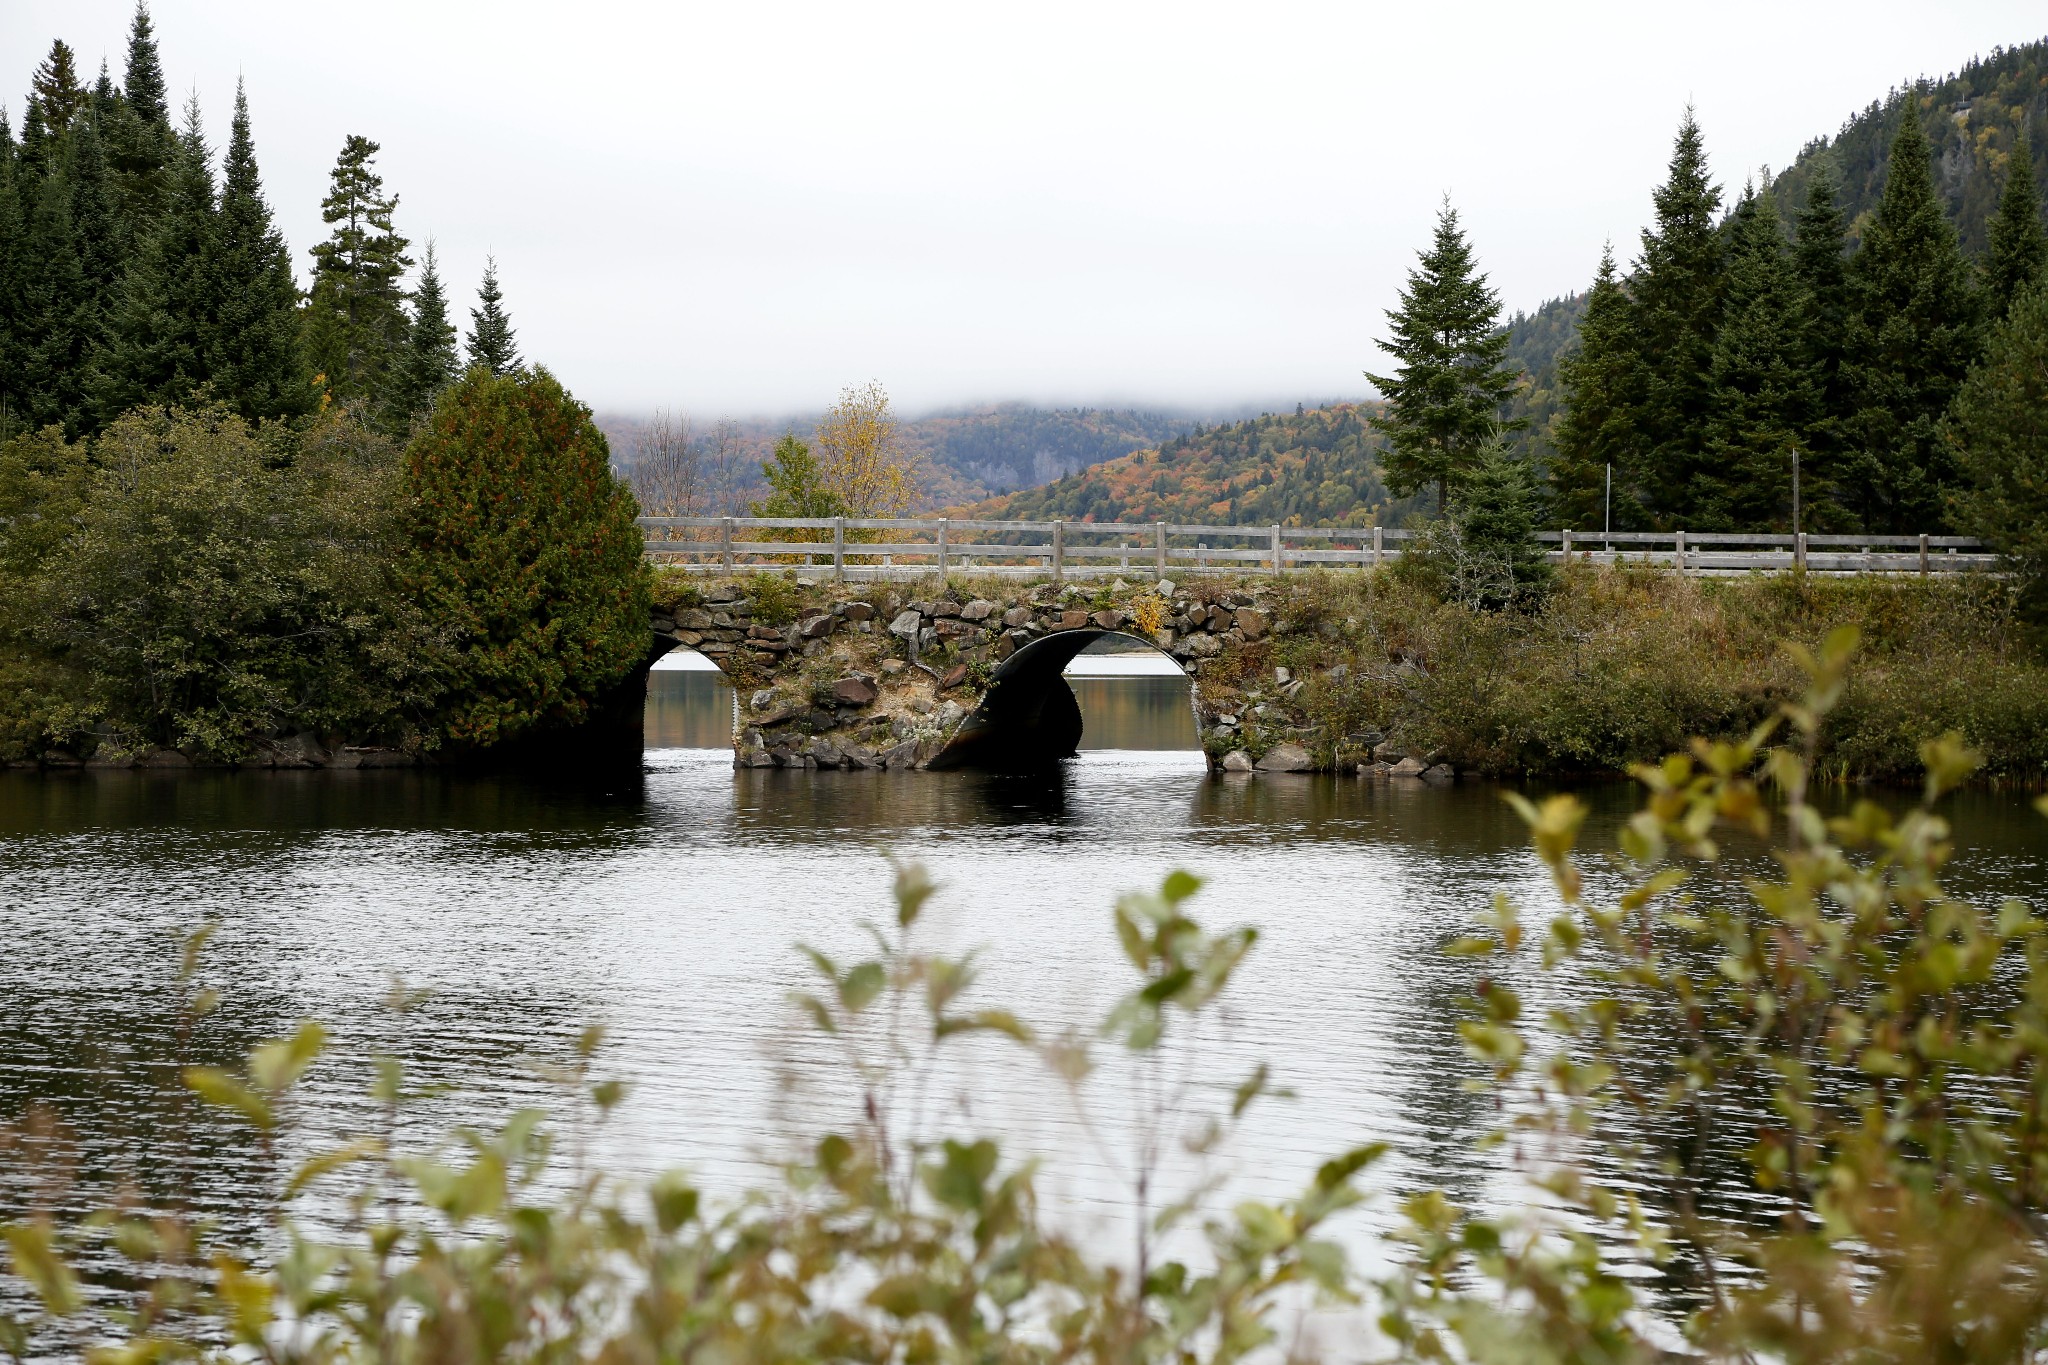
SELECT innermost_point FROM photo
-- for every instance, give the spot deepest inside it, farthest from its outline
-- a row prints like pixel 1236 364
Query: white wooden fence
pixel 886 547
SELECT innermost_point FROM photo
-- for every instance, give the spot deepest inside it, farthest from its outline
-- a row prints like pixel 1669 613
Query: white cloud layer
pixel 738 208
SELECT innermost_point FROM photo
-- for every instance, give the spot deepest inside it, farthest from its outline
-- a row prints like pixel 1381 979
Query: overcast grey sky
pixel 738 208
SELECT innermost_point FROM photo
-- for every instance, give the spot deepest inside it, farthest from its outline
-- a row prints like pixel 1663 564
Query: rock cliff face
pixel 841 675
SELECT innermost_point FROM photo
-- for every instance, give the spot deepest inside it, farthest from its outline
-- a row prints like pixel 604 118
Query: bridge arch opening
pixel 1029 719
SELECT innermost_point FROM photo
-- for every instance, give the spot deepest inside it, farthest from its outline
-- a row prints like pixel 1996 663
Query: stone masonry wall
pixel 880 675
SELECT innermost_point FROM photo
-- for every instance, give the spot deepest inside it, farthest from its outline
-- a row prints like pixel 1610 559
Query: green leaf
pixel 223 1091
pixel 1249 1089
pixel 815 1007
pixel 35 1258
pixel 861 984
pixel 326 1162
pixel 993 1021
pixel 1337 1170
pixel 914 887
pixel 276 1066
pixel 1178 886
pixel 1168 986
pixel 674 1200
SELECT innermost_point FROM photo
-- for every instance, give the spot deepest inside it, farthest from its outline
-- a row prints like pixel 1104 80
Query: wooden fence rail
pixel 885 547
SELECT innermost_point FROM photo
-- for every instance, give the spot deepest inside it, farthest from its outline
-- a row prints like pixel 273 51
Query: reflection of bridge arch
pixel 1029 718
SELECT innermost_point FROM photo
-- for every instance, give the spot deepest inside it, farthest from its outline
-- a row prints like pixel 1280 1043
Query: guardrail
pixel 899 547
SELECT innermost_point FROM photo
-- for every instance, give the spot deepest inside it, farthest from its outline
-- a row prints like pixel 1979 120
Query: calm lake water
pixel 665 904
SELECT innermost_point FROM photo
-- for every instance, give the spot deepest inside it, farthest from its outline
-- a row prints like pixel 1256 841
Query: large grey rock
pixel 1441 772
pixel 978 610
pixel 945 608
pixel 902 756
pixel 1110 619
pixel 1237 761
pixel 854 691
pixel 1286 758
pixel 1017 616
pixel 1252 623
pixel 1408 767
pixel 824 752
pixel 761 700
pixel 693 618
pixel 907 625
pixel 817 627
pixel 1203 646
pixel 859 611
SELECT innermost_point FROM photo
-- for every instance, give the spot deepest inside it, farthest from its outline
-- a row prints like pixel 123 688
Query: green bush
pixel 525 554
pixel 193 582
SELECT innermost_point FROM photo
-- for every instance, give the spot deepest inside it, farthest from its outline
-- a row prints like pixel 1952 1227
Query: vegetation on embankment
pixel 191 587
pixel 1620 666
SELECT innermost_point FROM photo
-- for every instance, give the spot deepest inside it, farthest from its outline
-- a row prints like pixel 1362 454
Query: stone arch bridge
pixel 842 675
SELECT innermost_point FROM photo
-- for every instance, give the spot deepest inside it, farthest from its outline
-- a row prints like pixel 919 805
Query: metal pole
pixel 1059 548
pixel 725 540
pixel 1276 549
pixel 1795 490
pixel 1159 546
pixel 1607 535
pixel 839 547
pixel 942 549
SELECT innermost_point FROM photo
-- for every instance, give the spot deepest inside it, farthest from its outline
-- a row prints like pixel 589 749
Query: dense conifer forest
pixel 139 264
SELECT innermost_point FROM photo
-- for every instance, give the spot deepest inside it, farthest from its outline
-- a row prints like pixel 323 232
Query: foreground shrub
pixel 525 554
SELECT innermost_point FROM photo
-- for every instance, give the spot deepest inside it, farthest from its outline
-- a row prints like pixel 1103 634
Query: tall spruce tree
pixel 1820 263
pixel 53 308
pixel 257 360
pixel 1763 393
pixel 101 264
pixel 355 316
pixel 11 262
pixel 1998 428
pixel 1450 378
pixel 1597 431
pixel 142 82
pixel 2017 253
pixel 165 332
pixel 56 89
pixel 1914 336
pixel 140 141
pixel 1677 294
pixel 430 363
pixel 492 343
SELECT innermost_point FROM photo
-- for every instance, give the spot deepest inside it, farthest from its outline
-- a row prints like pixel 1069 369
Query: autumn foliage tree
pixel 861 458
pixel 525 552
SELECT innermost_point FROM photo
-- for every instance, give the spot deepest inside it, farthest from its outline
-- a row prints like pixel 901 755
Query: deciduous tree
pixel 861 459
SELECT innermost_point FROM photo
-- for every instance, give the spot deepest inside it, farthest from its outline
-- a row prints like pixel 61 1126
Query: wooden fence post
pixel 1678 554
pixel 1567 547
pixel 1379 545
pixel 725 540
pixel 1059 549
pixel 1277 568
pixel 1923 553
pixel 942 550
pixel 839 548
pixel 1159 546
pixel 1799 551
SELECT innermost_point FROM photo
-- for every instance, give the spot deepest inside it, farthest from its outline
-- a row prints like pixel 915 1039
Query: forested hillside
pixel 1314 466
pixel 1971 119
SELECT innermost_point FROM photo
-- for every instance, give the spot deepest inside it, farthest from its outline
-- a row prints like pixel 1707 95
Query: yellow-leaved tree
pixel 861 458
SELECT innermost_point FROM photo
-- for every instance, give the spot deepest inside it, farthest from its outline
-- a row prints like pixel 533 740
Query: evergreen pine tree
pixel 140 142
pixel 35 155
pixel 2018 250
pixel 1444 398
pixel 1597 430
pixel 56 90
pixel 1496 515
pixel 257 359
pixel 143 80
pixel 1998 429
pixel 491 339
pixel 430 363
pixel 1820 263
pixel 1914 338
pixel 1677 295
pixel 355 317
pixel 11 262
pixel 53 304
pixel 164 334
pixel 1763 393
pixel 101 266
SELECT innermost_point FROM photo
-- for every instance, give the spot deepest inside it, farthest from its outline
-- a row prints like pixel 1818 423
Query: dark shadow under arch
pixel 1028 720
